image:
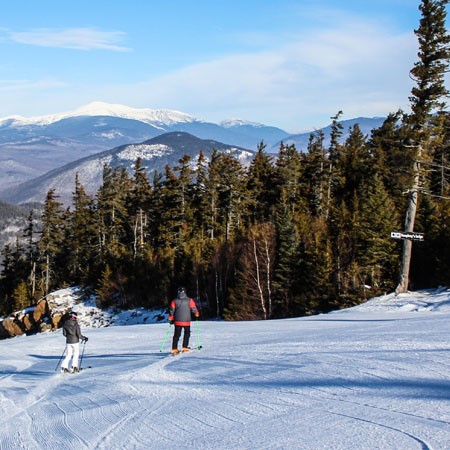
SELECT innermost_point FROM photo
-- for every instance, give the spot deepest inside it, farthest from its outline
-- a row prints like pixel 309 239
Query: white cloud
pixel 357 68
pixel 73 38
pixel 30 85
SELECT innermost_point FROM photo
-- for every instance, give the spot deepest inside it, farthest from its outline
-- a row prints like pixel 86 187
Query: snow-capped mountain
pixel 30 147
pixel 153 117
pixel 232 123
pixel 156 153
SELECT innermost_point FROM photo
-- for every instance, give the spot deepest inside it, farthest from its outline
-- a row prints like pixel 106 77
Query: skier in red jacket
pixel 180 314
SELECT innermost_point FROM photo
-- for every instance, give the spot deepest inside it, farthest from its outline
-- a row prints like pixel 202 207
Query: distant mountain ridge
pixel 30 147
pixel 156 154
pixel 94 109
pixel 13 220
pixel 365 124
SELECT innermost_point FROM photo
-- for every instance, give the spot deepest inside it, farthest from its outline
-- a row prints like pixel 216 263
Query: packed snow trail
pixel 366 378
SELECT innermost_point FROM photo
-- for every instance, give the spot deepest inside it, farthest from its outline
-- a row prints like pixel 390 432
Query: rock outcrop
pixel 33 319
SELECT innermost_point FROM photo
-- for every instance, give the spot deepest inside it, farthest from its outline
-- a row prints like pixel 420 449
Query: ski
pixel 191 349
pixel 69 372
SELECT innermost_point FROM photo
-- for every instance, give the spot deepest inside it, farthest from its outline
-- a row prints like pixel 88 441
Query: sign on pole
pixel 411 235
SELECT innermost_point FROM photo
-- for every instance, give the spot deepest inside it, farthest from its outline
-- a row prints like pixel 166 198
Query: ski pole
pixel 82 353
pixel 198 335
pixel 165 338
pixel 60 359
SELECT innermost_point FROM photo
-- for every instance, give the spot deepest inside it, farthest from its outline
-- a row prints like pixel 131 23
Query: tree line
pixel 292 234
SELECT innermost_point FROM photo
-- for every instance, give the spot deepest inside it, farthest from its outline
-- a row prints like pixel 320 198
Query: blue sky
pixel 287 63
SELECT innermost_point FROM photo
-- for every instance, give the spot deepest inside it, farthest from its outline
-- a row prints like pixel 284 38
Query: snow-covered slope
pixel 372 377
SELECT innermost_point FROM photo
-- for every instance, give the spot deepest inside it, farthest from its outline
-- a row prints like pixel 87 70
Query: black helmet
pixel 181 290
pixel 73 315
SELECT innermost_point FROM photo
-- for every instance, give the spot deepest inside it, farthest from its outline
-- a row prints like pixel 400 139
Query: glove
pixel 197 315
pixel 171 321
pixel 84 339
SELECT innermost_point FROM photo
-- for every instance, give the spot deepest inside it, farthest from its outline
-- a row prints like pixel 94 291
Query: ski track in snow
pixel 339 382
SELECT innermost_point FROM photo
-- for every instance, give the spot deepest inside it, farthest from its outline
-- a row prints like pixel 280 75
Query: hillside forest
pixel 292 234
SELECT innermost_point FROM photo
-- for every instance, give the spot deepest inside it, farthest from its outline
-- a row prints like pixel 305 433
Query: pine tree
pixel 250 297
pixel 81 237
pixel 285 270
pixel 21 297
pixel 261 186
pixel 105 290
pixel 51 242
pixel 112 217
pixel 354 165
pixel 333 178
pixel 200 246
pixel 375 250
pixel 225 189
pixel 138 208
pixel 288 175
pixel 392 156
pixel 312 289
pixel 15 271
pixel 31 254
pixel 427 96
pixel 313 180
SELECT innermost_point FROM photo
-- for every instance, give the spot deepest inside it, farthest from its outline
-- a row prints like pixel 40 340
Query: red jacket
pixel 180 310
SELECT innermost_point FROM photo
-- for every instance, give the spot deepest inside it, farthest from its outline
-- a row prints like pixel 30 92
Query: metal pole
pixel 82 353
pixel 60 359
pixel 198 335
pixel 165 338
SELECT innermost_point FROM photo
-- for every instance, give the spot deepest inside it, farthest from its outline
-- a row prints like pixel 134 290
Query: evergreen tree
pixel 261 186
pixel 285 270
pixel 250 296
pixel 21 297
pixel 106 290
pixel 31 254
pixel 138 208
pixel 199 198
pixel 112 214
pixel 201 247
pixel 51 242
pixel 313 180
pixel 288 175
pixel 312 290
pixel 354 164
pixel 392 157
pixel 427 96
pixel 81 238
pixel 226 195
pixel 376 252
pixel 15 271
pixel 333 178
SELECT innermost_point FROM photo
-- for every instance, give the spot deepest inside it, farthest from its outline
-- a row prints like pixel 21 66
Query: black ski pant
pixel 177 334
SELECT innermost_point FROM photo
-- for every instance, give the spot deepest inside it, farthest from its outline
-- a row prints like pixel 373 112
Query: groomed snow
pixel 372 377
